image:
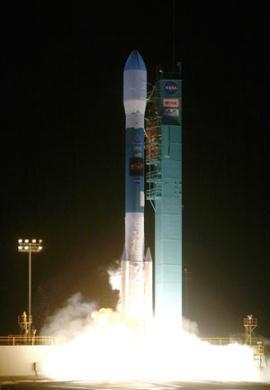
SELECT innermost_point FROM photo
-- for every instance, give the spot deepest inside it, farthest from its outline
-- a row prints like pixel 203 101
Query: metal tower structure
pixel 250 324
pixel 164 190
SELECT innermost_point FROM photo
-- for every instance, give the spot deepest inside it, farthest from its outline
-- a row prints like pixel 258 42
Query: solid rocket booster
pixel 136 269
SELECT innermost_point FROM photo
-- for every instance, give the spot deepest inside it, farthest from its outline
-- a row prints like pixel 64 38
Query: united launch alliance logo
pixel 170 87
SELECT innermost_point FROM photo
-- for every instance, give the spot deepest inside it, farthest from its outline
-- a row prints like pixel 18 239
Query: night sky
pixel 62 151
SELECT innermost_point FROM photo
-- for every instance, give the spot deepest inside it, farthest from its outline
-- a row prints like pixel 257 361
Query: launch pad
pixel 46 384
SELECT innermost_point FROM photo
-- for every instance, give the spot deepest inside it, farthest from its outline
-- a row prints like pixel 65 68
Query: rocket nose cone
pixel 135 62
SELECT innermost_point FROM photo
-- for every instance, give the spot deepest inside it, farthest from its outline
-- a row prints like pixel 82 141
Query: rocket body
pixel 136 269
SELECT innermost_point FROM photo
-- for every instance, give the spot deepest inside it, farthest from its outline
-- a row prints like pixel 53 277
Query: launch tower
pixel 164 181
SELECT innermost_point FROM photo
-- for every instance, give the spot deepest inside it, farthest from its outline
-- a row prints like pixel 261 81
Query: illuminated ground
pixel 43 384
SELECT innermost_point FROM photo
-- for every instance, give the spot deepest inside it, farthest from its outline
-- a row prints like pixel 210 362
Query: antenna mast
pixel 173 34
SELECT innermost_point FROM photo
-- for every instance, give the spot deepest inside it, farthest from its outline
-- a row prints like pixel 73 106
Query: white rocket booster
pixel 136 269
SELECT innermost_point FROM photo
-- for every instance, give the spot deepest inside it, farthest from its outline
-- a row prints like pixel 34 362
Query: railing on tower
pixel 153 150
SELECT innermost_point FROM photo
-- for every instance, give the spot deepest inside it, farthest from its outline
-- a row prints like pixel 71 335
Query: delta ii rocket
pixel 136 267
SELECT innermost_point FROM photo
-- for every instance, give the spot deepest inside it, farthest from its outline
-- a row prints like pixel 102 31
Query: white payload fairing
pixel 136 267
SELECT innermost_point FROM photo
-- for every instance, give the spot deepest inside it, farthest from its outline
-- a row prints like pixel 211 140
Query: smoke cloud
pixel 115 277
pixel 72 319
pixel 99 344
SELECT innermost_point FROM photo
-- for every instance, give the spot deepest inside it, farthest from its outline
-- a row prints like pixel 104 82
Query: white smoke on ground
pixel 100 345
pixel 70 320
pixel 76 315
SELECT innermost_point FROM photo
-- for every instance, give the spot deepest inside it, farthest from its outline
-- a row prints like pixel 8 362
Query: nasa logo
pixel 170 87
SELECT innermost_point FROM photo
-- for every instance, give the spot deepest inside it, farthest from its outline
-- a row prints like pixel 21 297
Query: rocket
pixel 136 268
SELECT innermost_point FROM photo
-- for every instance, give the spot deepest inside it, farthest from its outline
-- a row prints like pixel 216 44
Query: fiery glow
pixel 109 348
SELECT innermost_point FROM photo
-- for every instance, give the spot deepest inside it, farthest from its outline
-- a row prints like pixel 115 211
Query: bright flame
pixel 110 348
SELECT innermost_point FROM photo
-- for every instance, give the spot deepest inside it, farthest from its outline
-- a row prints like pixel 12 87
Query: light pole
pixel 29 246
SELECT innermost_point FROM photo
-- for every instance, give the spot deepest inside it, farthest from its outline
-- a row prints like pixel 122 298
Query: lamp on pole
pixel 29 246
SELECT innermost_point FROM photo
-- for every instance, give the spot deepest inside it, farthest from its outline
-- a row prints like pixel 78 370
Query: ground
pixel 43 384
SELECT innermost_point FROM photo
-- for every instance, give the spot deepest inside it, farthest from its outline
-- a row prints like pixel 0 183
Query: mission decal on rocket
pixel 136 268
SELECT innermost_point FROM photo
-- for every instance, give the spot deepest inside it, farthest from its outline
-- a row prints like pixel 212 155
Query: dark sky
pixel 62 151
